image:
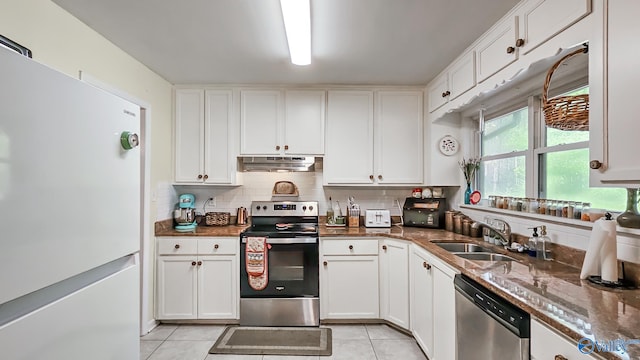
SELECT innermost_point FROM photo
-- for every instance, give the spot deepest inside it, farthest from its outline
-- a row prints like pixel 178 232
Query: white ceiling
pixel 403 42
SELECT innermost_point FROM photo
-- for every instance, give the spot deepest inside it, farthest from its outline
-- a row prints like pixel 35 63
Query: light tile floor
pixel 350 342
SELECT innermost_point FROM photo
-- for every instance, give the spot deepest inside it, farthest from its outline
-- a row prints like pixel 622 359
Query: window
pixel 558 161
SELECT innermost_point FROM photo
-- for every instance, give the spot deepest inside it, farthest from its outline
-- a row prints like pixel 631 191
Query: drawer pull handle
pixel 595 164
pixel 511 50
pixel 199 263
pixel 370 177
pixel 350 247
pixel 199 176
pixel 177 246
pixel 277 147
pixel 206 177
pixel 519 42
pixel 286 147
pixel 324 263
pixel 216 246
pixel 384 247
pixel 426 266
pixel 559 357
pixel 193 263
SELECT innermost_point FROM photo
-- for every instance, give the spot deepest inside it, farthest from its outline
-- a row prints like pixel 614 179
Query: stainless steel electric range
pixel 290 297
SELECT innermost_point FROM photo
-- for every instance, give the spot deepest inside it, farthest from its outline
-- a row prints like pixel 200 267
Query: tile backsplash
pixel 257 186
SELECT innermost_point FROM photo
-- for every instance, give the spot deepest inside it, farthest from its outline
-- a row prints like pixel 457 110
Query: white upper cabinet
pixel 540 20
pixel 613 80
pixel 304 122
pixel 398 137
pixel 260 121
pixel 204 133
pixel 276 122
pixel 458 79
pixel 349 151
pixel 497 49
pixel 374 146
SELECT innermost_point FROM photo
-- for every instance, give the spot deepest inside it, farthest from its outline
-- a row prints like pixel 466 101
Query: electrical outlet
pixel 211 202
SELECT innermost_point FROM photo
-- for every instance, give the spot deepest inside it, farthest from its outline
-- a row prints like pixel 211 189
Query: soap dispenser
pixel 543 242
pixel 532 245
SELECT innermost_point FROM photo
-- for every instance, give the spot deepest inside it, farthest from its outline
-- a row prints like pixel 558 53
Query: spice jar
pixel 457 223
pixel 577 211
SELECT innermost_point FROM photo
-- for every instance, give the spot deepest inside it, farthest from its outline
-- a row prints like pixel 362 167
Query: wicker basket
pixel 569 113
pixel 217 218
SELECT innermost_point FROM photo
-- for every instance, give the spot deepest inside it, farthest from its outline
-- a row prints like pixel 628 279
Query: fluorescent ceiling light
pixel 297 24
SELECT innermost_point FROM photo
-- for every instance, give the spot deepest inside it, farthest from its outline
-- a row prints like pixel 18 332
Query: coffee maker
pixel 185 214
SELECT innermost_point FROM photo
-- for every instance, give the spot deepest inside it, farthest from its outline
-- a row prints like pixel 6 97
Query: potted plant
pixel 469 168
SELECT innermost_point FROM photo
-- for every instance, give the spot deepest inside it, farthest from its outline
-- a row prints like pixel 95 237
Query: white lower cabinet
pixel 548 344
pixel 349 279
pixel 421 289
pixel 394 282
pixel 197 278
pixel 433 313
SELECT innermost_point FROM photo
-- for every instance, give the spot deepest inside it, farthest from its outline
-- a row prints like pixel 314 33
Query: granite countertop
pixel 548 290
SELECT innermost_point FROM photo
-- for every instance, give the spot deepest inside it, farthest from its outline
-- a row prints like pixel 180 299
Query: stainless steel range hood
pixel 277 163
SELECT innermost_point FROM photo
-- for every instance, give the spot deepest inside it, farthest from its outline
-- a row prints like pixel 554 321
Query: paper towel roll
pixel 609 253
pixel 602 251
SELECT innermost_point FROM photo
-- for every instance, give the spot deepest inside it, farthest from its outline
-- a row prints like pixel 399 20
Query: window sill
pixel 548 219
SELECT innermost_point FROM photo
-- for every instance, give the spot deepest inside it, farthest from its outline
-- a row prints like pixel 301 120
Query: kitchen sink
pixel 483 256
pixel 461 247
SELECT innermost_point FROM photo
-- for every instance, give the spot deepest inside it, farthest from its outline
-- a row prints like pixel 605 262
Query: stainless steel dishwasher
pixel 487 326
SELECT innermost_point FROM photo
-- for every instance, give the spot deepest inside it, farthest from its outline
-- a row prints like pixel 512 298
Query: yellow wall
pixel 62 42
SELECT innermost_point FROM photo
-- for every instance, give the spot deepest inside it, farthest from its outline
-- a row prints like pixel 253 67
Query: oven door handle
pixel 296 240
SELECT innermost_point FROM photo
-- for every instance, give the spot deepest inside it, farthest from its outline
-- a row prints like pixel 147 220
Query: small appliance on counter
pixel 377 218
pixel 427 212
pixel 185 215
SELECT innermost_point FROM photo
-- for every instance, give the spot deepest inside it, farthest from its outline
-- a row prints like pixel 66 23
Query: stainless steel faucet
pixel 500 227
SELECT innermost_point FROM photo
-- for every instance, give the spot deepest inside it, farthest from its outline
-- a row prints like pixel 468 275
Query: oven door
pixel 292 269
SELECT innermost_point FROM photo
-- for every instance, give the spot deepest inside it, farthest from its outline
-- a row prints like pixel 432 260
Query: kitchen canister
pixel 466 226
pixel 457 223
pixel 448 220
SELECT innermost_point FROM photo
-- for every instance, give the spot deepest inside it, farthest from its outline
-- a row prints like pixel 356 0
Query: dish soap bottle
pixel 533 243
pixel 543 241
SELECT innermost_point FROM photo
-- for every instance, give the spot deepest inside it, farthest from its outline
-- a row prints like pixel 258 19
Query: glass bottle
pixel 585 211
pixel 525 205
pixel 505 202
pixel 559 206
pixel 498 202
pixel 551 207
pixel 570 208
pixel 492 201
pixel 542 206
pixel 577 211
pixel 630 218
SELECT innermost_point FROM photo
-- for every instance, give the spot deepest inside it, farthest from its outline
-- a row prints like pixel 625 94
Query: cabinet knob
pixel 519 42
pixel 510 50
pixel 370 177
pixel 193 263
pixel 177 246
pixel 206 177
pixel 286 147
pixel 559 357
pixel 277 147
pixel 379 177
pixel 384 247
pixel 216 246
pixel 444 94
pixel 350 247
pixel 199 263
pixel 324 263
pixel 199 176
pixel 595 164
pixel 426 266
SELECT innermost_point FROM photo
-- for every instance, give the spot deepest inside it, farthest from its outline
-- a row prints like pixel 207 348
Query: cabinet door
pixel 492 51
pixel 189 139
pixel 547 344
pixel 422 300
pixel 613 127
pixel 462 75
pixel 349 149
pixel 540 20
pixel 260 118
pixel 304 122
pixel 399 140
pixel 219 162
pixel 177 287
pixel 437 92
pixel 349 287
pixel 444 314
pixel 394 282
pixel 218 287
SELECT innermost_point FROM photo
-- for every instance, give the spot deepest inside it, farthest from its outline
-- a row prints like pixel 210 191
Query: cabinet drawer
pixel 546 344
pixel 177 246
pixel 350 247
pixel 218 246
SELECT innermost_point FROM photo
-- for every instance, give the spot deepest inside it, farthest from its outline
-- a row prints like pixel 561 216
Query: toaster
pixel 377 218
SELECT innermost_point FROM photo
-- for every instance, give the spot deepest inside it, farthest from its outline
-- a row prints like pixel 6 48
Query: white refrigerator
pixel 70 199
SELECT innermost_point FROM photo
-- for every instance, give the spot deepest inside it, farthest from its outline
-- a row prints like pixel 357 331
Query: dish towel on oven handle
pixel 256 262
